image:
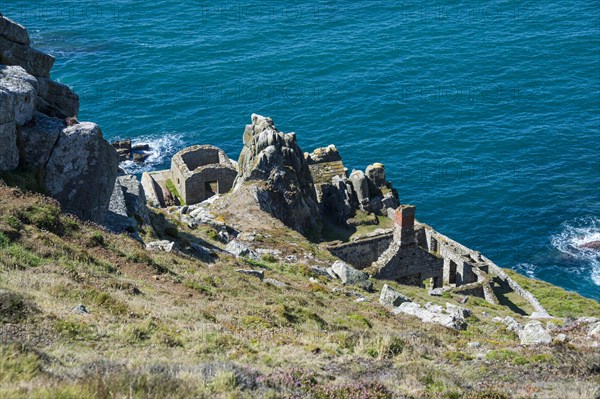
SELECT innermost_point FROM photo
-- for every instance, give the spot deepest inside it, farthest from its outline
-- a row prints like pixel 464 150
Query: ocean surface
pixel 486 114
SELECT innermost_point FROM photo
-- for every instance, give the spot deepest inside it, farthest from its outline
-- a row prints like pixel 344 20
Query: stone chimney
pixel 404 225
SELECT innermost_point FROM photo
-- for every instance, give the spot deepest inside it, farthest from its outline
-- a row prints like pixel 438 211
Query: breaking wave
pixel 527 269
pixel 576 233
pixel 162 148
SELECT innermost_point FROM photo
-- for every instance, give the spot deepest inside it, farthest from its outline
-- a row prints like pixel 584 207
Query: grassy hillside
pixel 164 325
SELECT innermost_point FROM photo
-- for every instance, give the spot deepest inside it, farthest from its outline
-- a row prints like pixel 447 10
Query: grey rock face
pixel 337 199
pixel 17 102
pixel 273 161
pixel 533 333
pixel 389 201
pixel 160 246
pixel 135 198
pixel 347 274
pixel 275 283
pixel 80 309
pixel 117 219
pixel 320 271
pixel 361 186
pixel 13 31
pixel 512 324
pixel 392 298
pixel 594 330
pixel 23 88
pixel 33 61
pixel 57 99
pixel 457 311
pixel 376 174
pixel 37 139
pixel 9 152
pixel 81 172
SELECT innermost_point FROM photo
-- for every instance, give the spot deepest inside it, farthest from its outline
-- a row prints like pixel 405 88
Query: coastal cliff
pixel 305 279
pixel 39 130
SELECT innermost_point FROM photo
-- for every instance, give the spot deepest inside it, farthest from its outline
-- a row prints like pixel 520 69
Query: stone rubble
pixel 160 246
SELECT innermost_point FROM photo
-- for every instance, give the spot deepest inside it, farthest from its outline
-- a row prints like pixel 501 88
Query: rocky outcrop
pixel 273 162
pixel 391 298
pixel 22 88
pixel 123 148
pixel 39 131
pixel 591 245
pixel 350 276
pixel 334 191
pixel 51 98
pixel 81 172
pixel 361 187
pixel 376 175
pixel 127 209
pixel 18 91
pixel 37 139
pixel 240 249
pixel 9 152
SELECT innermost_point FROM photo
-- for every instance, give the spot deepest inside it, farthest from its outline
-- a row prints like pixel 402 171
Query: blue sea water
pixel 486 114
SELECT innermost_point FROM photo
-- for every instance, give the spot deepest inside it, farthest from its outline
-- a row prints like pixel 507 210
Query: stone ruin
pixel 201 171
pixel 412 253
pixel 197 173
pixel 302 188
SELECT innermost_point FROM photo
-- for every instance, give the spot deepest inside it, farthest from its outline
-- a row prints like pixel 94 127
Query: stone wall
pixel 194 189
pixel 362 252
pixel 197 156
pixel 469 263
pixel 407 264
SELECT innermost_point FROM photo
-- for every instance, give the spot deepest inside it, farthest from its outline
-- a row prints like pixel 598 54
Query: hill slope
pixel 182 325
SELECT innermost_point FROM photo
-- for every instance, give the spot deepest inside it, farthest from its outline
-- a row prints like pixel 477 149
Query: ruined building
pixel 201 171
pixel 412 253
pixel 197 173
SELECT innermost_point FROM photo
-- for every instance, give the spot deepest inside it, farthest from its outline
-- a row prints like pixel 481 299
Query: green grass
pixel 519 359
pixel 558 301
pixel 16 256
pixel 17 363
pixel 154 336
pixel 171 187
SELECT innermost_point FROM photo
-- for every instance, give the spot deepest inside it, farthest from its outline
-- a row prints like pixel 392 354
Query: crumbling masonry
pixel 416 252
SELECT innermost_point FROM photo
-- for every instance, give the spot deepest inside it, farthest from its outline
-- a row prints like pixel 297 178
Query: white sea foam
pixel 162 148
pixel 574 234
pixel 528 269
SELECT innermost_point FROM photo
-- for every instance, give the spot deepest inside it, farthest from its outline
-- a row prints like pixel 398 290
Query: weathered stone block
pixel 81 171
pixel 33 61
pixel 376 173
pixel 390 297
pixel 13 31
pixel 23 88
pixel 37 138
pixel 57 99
